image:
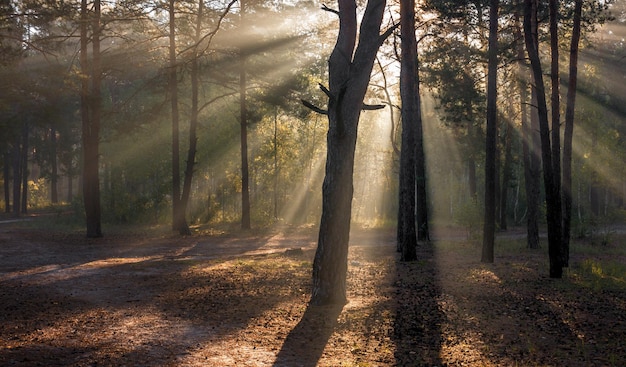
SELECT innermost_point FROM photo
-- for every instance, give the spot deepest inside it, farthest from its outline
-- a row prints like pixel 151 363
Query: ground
pixel 149 299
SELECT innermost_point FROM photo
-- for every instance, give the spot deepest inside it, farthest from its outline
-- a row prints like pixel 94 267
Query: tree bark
pixel 407 239
pixel 17 176
pixel 569 132
pixel 348 80
pixel 243 117
pixel 529 144
pixel 54 176
pixel 491 132
pixel 183 228
pixel 423 231
pixel 91 130
pixel 24 168
pixel 506 176
pixel 178 215
pixel 552 202
pixel 6 171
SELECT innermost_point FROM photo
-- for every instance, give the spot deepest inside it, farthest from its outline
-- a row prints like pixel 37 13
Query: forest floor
pixel 149 299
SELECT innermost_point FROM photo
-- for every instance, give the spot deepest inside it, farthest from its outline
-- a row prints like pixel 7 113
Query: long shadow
pixel 418 316
pixel 306 342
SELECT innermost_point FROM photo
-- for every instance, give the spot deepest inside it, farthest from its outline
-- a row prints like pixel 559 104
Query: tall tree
pixel 529 140
pixel 407 231
pixel 349 69
pixel 90 113
pixel 569 131
pixel 553 212
pixel 178 221
pixel 491 136
pixel 243 121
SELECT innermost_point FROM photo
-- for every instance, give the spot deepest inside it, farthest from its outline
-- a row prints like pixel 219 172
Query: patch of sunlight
pixel 466 348
pixel 55 272
pixel 484 276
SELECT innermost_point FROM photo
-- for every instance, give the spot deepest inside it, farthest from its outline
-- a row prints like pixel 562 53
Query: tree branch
pixel 326 8
pixel 326 91
pixel 372 107
pixel 313 107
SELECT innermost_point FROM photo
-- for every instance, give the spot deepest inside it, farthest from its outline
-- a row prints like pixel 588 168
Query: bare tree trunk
pixel 423 231
pixel 491 149
pixel 183 228
pixel 553 203
pixel 506 175
pixel 349 75
pixel 243 116
pixel 17 176
pixel 407 236
pixel 54 192
pixel 569 132
pixel 24 168
pixel 178 215
pixel 6 170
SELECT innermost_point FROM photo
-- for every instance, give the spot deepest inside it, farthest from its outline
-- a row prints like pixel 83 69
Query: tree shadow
pixel 418 316
pixel 306 342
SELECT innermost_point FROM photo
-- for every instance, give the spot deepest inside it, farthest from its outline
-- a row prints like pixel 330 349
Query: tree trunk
pixel 569 132
pixel 506 175
pixel 6 171
pixel 407 239
pixel 178 215
pixel 17 177
pixel 529 144
pixel 552 202
pixel 243 117
pixel 423 231
pixel 91 125
pixel 491 149
pixel 183 228
pixel 245 171
pixel 348 80
pixel 24 168
pixel 54 177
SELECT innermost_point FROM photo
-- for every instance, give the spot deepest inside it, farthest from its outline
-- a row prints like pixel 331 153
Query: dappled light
pixel 162 171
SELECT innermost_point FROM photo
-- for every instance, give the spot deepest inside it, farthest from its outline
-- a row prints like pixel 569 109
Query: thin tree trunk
pixel 506 176
pixel 183 227
pixel 349 75
pixel 243 134
pixel 54 192
pixel 553 203
pixel 6 171
pixel 491 149
pixel 423 231
pixel 17 177
pixel 530 159
pixel 24 168
pixel 569 132
pixel 178 216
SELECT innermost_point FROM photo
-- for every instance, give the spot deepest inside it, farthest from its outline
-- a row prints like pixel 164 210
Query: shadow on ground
pixel 306 342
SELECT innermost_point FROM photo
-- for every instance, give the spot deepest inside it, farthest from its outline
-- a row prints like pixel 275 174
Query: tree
pixel 90 114
pixel 411 118
pixel 553 202
pixel 349 69
pixel 529 140
pixel 569 132
pixel 491 136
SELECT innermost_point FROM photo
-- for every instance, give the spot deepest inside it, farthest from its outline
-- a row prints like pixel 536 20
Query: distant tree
pixel 491 136
pixel 91 84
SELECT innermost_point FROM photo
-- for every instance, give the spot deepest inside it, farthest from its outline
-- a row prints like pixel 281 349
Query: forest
pixel 352 183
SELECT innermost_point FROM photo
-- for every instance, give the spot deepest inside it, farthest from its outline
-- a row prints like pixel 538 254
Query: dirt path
pixel 145 300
